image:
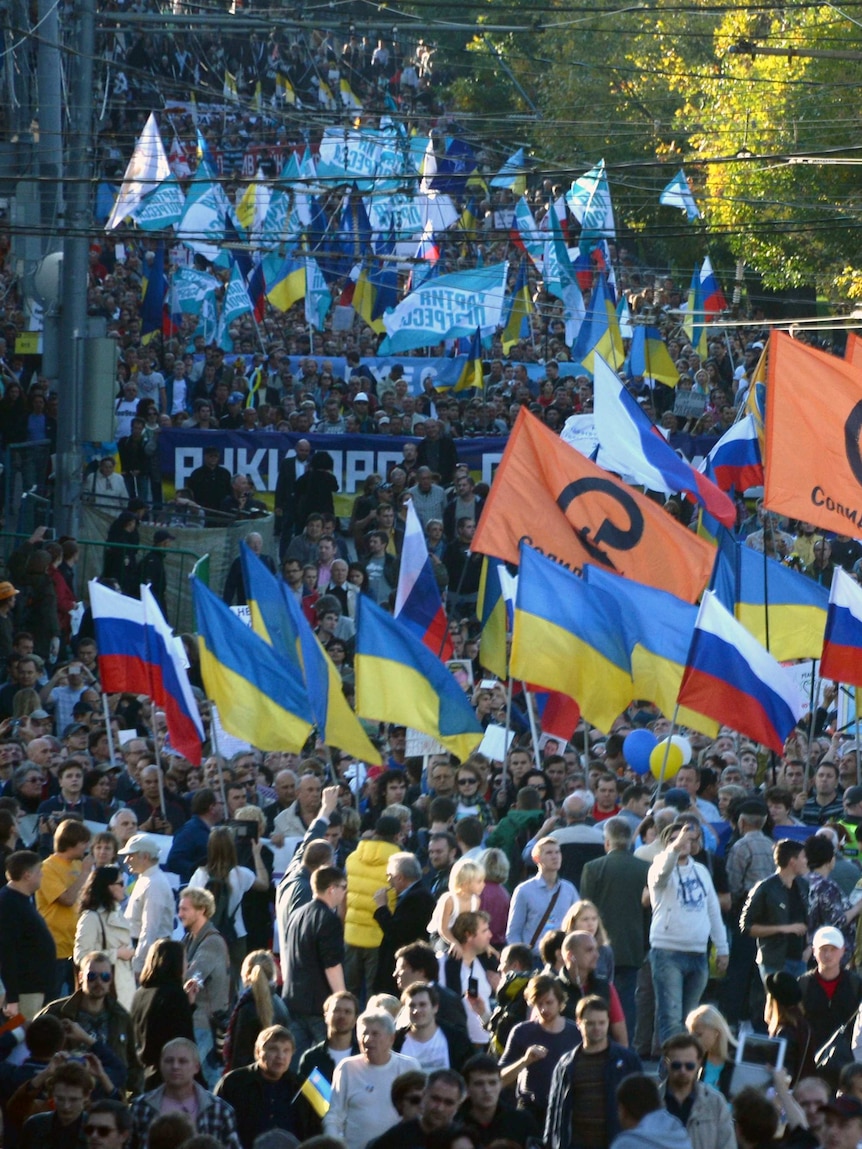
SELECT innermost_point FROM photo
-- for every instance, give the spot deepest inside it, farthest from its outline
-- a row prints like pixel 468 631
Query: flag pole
pixel 534 733
pixel 508 727
pixel 811 695
pixel 158 754
pixel 218 757
pixel 108 731
pixel 856 706
pixel 667 750
pixel 586 744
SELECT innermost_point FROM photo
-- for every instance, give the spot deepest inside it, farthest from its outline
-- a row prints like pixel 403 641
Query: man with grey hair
pixel 361 1106
pixel 234 586
pixel 428 497
pixel 414 907
pixel 615 883
pixel 150 912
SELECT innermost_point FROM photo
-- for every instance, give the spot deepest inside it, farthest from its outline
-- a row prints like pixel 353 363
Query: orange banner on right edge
pixel 813 456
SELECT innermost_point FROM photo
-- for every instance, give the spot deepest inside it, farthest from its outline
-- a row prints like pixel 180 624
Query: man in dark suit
pixel 292 467
pixel 615 883
pixel 414 906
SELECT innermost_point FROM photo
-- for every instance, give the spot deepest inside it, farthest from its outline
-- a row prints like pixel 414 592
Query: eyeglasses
pixel 468 781
pixel 105 977
pixel 100 1130
pixel 414 1098
pixel 689 1065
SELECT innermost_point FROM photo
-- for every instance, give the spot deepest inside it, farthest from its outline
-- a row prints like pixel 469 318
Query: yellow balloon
pixel 674 759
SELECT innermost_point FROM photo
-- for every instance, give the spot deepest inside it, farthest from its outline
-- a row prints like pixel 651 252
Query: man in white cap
pixel 151 908
pixel 362 411
pixel 831 996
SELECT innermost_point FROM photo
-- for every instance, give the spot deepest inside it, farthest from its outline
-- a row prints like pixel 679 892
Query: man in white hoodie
pixel 644 1121
pixel 685 916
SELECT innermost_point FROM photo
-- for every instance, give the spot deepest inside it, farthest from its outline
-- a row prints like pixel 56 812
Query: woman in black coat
pixel 121 563
pixel 161 1009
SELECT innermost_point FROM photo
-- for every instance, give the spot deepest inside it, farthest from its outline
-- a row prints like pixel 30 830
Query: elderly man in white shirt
pixel 151 909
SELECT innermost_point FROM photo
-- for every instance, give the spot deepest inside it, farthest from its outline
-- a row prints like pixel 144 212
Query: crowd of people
pixel 432 954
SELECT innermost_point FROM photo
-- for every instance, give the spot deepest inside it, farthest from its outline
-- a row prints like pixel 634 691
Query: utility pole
pixel 77 225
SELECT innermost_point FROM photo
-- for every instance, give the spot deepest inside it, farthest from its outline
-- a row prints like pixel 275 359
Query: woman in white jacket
pixel 101 926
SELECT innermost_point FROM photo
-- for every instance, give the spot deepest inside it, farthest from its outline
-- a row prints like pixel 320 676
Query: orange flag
pixel 548 494
pixel 813 459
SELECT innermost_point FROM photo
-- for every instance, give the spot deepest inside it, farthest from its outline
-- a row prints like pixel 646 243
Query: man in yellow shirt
pixel 63 877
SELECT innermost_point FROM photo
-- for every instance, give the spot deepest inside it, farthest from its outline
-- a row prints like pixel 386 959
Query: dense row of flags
pixel 601 610
pixel 279 245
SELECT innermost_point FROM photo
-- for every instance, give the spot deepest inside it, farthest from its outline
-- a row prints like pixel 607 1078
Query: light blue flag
pixel 162 208
pixel 590 201
pixel 447 307
pixel 678 194
pixel 202 226
pixel 236 303
pixel 528 230
pixel 318 297
pixel 189 290
pixel 511 172
pixel 560 280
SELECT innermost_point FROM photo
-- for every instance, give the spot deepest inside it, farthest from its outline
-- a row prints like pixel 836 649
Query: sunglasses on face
pixel 688 1065
pixel 99 1130
pixel 105 977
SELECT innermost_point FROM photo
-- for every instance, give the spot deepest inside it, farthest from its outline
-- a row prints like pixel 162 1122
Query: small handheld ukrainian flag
pixel 317 1092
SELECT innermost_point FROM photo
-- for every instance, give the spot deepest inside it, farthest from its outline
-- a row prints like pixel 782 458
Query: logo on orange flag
pixel 547 494
pixel 813 461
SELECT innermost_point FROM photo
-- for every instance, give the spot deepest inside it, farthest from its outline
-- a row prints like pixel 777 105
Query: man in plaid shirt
pixel 181 1094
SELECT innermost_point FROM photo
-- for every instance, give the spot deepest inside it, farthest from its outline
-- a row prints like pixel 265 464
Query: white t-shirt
pixel 433 1054
pixel 475 1030
pixel 240 881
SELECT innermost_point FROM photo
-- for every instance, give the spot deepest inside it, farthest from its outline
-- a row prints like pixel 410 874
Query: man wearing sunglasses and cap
pixel 831 996
pixel 98 1024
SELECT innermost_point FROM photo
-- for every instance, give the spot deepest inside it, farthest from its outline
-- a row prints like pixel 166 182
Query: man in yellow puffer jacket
pixel 366 873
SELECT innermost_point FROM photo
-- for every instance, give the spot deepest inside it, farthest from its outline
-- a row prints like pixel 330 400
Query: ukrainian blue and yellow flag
pixel 784 610
pixel 658 630
pixel 569 637
pixel 493 616
pixel 288 285
pixel 600 331
pixel 277 617
pixel 472 375
pixel 693 323
pixel 317 1091
pixel 650 358
pixel 796 605
pixel 399 680
pixel 153 300
pixel 259 699
pixel 520 310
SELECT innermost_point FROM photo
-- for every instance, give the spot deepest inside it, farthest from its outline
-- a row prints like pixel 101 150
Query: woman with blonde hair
pixel 495 897
pixel 466 883
pixel 228 882
pixel 712 1031
pixel 258 1006
pixel 584 915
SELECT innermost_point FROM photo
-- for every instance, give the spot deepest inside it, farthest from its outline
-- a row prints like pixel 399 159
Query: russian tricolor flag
pixel 712 297
pixel 632 446
pixel 730 677
pixel 735 462
pixel 138 654
pixel 842 643
pixel 417 600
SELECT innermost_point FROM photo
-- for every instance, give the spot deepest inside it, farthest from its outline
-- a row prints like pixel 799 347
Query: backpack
pixel 223 919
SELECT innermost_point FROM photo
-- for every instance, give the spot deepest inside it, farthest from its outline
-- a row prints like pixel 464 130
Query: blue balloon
pixel 637 748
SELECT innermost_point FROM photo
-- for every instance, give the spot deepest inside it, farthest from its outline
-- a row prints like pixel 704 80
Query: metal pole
pixel 158 753
pixel 667 750
pixel 108 731
pixel 504 779
pixel 534 732
pixel 76 231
